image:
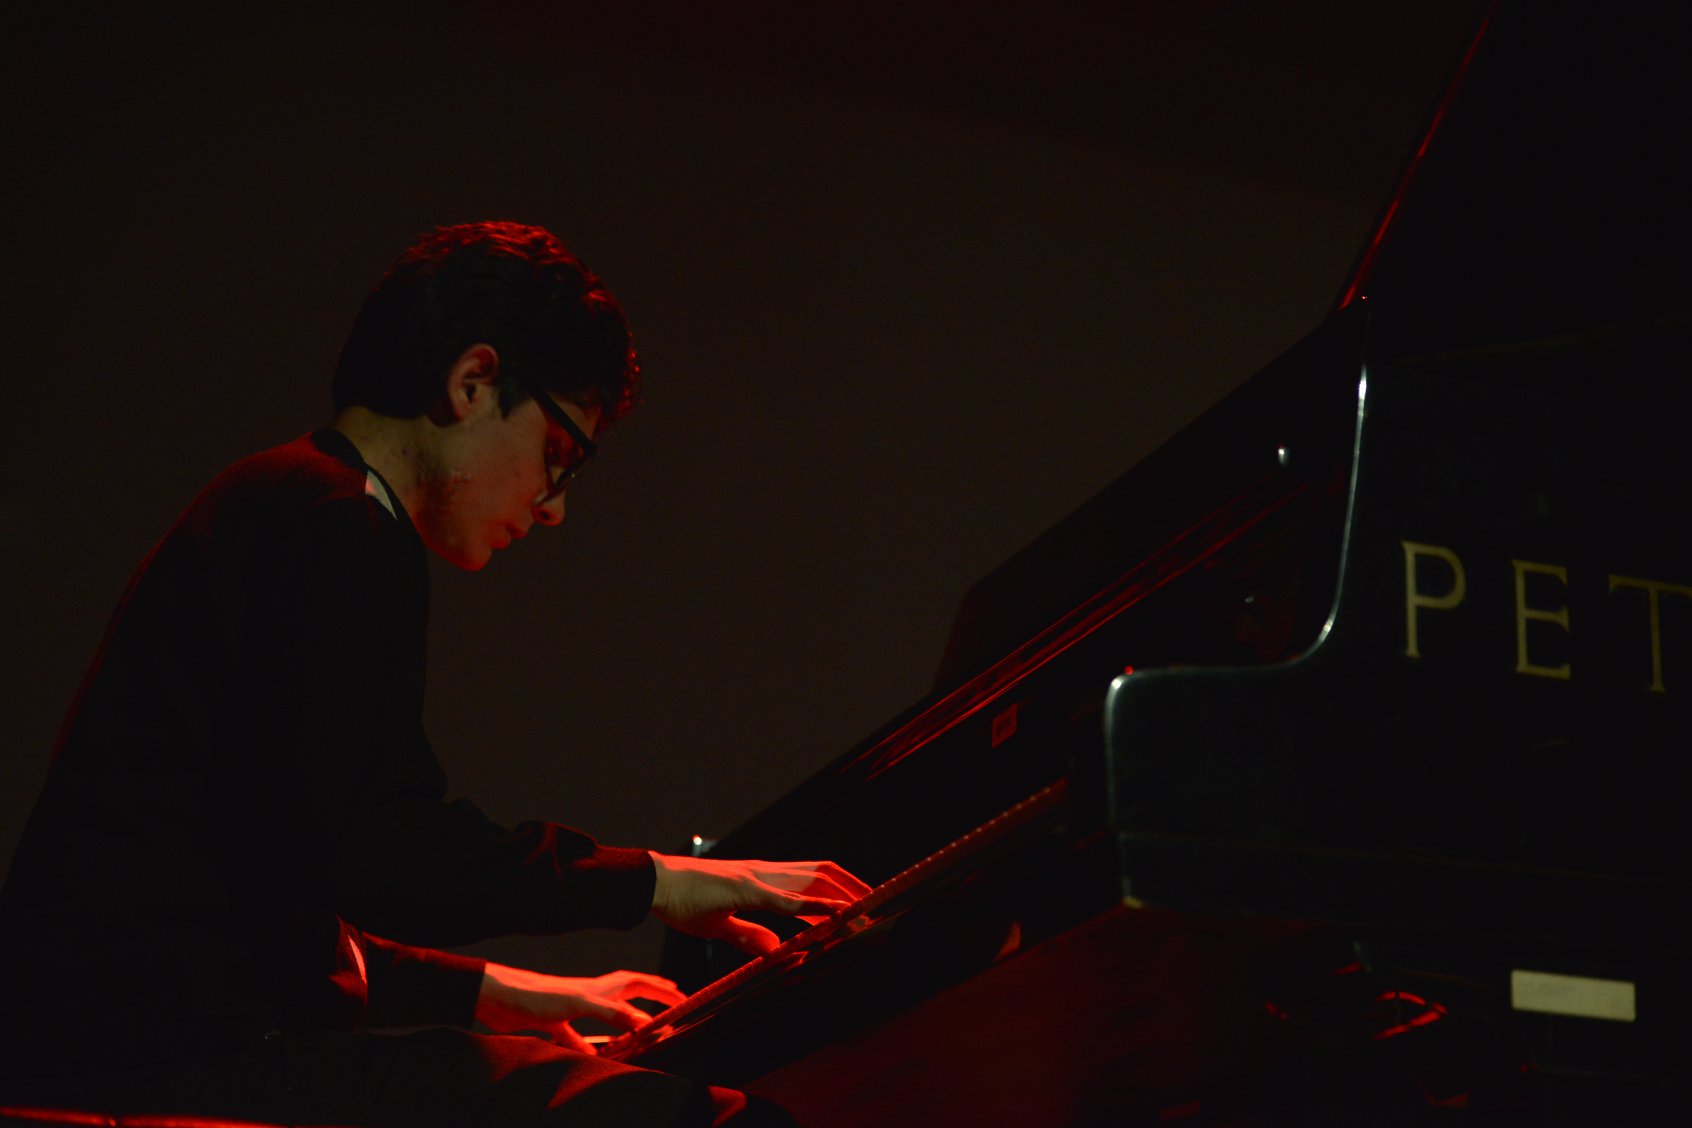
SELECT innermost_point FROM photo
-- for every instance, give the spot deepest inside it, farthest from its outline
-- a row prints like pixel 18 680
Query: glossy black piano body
pixel 1361 698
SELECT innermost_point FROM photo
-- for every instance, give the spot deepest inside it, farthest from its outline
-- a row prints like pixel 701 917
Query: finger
pixel 641 978
pixel 748 937
pixel 834 890
pixel 623 1016
pixel 842 911
pixel 808 907
pixel 849 883
pixel 779 900
pixel 816 879
pixel 639 985
pixel 669 997
pixel 816 885
pixel 565 1035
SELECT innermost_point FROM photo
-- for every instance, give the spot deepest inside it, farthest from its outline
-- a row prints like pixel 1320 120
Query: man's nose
pixel 549 512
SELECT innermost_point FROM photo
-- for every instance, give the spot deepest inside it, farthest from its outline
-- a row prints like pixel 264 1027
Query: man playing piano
pixel 242 862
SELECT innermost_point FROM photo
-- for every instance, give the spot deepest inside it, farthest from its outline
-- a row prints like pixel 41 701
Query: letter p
pixel 1415 599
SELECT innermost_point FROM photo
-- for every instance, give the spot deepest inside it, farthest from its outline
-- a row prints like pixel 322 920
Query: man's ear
pixel 471 382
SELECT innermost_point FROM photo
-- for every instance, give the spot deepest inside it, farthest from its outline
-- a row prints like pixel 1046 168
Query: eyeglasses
pixel 563 475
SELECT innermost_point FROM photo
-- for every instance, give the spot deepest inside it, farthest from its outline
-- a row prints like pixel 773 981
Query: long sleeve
pixel 244 784
pixel 344 610
pixel 419 986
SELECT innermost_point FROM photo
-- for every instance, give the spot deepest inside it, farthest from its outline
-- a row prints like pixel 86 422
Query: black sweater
pixel 243 787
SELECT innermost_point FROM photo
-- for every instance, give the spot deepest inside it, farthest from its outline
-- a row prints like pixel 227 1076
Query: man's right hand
pixel 700 896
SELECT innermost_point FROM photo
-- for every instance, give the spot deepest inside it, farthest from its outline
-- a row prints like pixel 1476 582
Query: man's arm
pixel 339 662
pixel 422 987
pixel 363 794
pixel 418 986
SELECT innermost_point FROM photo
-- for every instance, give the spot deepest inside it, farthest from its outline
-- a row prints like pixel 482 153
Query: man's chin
pixel 468 558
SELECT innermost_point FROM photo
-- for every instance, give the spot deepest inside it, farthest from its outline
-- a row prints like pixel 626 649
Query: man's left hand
pixel 513 1001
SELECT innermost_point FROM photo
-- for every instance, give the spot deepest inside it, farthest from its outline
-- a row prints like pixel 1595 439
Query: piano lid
pixel 1543 205
pixel 1548 200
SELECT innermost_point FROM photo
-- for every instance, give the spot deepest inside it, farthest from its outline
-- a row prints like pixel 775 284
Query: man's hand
pixel 516 1001
pixel 700 896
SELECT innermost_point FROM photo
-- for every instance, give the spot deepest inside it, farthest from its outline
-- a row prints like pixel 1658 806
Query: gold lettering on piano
pixel 1525 614
pixel 1653 589
pixel 1416 599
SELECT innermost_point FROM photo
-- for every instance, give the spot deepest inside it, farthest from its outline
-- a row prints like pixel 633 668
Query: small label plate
pixel 1578 995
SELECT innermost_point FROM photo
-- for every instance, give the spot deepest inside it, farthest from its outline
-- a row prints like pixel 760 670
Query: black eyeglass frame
pixel 558 415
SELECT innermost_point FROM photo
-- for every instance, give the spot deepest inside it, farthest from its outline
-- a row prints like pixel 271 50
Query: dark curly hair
pixel 515 287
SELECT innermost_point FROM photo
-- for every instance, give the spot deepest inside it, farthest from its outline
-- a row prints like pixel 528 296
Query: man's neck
pixel 394 448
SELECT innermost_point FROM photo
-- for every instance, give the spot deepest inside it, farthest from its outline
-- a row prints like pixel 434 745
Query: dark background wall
pixel 910 280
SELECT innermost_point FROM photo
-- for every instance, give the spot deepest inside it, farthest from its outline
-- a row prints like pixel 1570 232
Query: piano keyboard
pixel 881 903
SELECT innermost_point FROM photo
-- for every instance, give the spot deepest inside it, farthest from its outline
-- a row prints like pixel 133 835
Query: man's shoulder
pixel 313 487
pixel 309 467
pixel 313 471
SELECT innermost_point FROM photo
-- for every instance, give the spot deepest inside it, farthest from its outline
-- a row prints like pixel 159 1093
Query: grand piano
pixel 1324 768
